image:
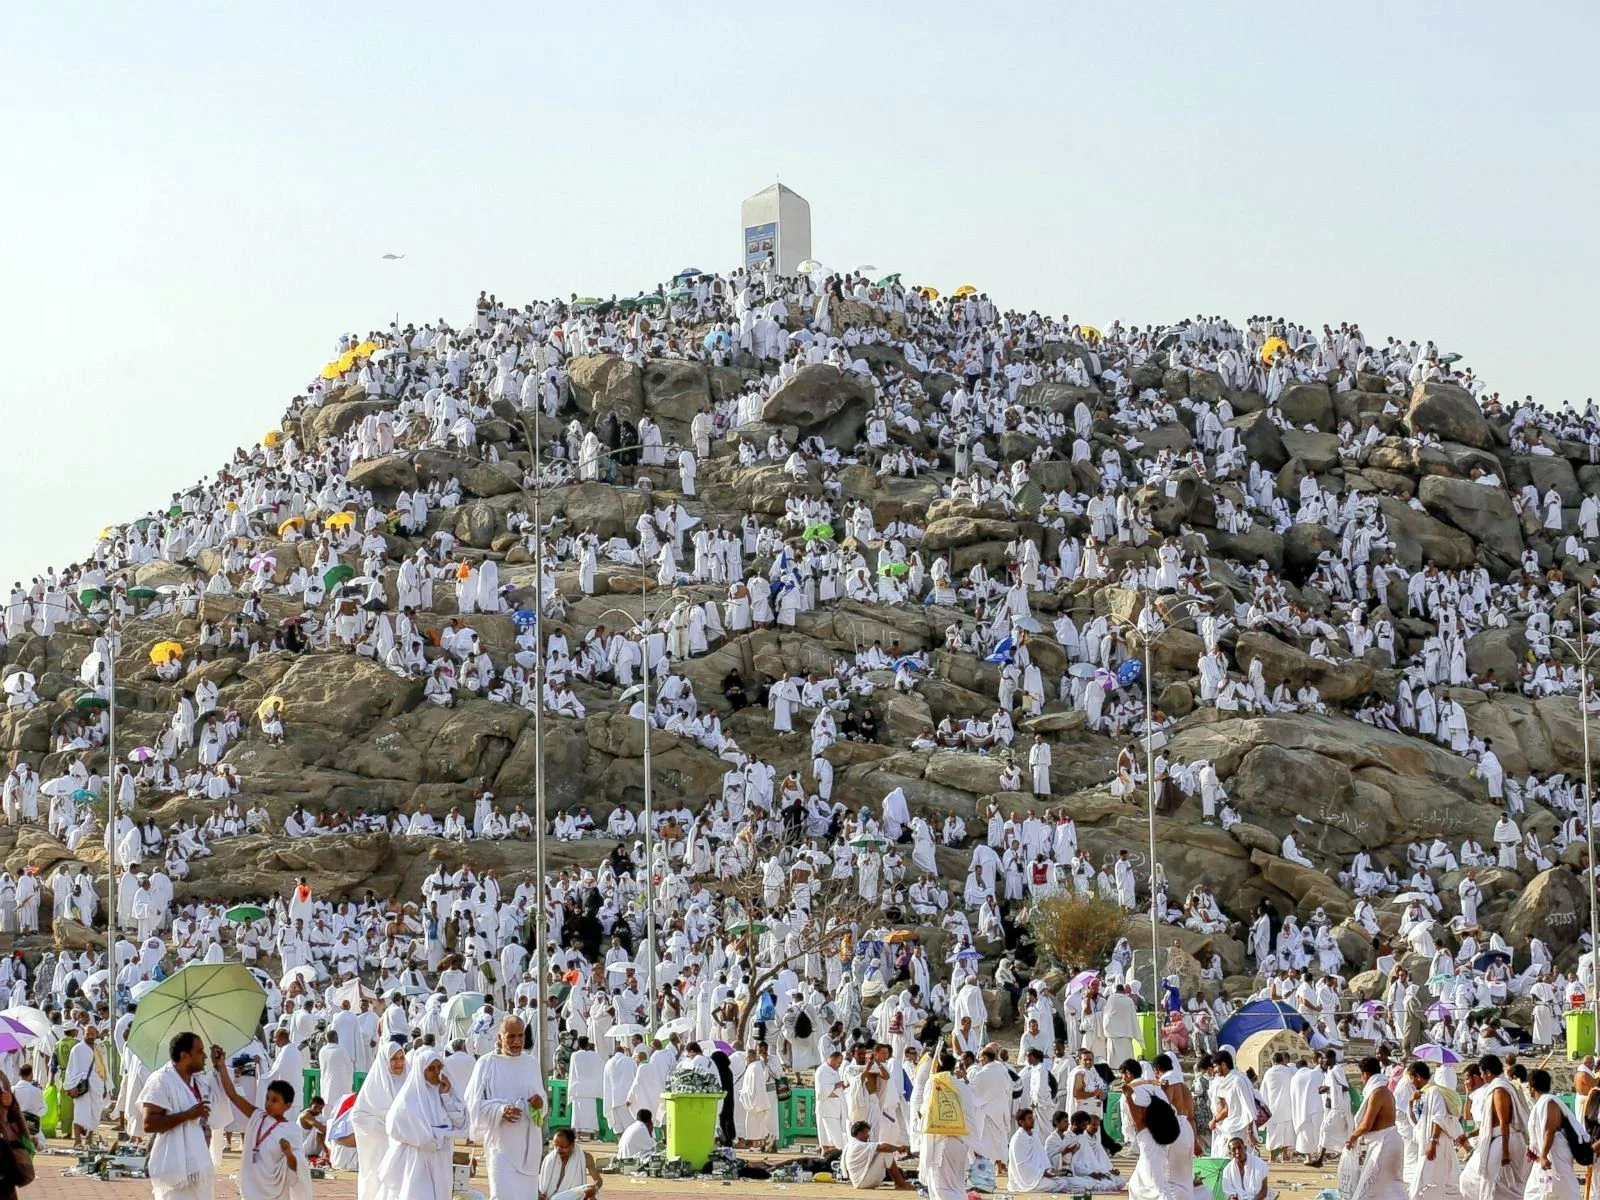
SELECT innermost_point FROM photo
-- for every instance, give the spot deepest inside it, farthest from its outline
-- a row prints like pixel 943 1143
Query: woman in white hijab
pixel 367 1119
pixel 423 1125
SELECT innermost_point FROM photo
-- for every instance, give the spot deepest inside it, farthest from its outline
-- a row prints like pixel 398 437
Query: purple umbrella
pixel 723 1046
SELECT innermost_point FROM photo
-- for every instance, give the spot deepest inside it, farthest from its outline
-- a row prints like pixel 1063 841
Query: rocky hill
pixel 360 737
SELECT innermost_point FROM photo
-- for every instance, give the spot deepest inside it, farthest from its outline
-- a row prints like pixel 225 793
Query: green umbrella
pixel 141 593
pixel 863 840
pixel 893 569
pixel 245 912
pixel 820 530
pixel 743 927
pixel 628 303
pixel 143 523
pixel 888 279
pixel 221 1002
pixel 337 574
pixel 90 596
pixel 463 1005
pixel 679 294
pixel 175 511
pixel 90 700
pixel 653 300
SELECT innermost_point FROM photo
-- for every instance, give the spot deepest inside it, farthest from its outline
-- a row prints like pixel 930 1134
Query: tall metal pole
pixel 1588 810
pixel 111 823
pixel 649 824
pixel 1150 807
pixel 541 924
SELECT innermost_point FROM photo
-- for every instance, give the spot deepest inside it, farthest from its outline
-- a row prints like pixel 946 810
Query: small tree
pixel 1076 933
pixel 838 915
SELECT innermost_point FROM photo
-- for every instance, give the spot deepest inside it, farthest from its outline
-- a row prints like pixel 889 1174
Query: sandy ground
pixel 51 1185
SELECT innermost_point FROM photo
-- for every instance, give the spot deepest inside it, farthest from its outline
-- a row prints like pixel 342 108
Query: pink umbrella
pixel 1082 980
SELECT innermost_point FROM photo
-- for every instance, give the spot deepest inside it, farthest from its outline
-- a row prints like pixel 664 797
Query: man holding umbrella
pixel 176 1103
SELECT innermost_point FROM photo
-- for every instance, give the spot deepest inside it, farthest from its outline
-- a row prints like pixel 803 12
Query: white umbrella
pixel 1082 670
pixel 61 785
pixel 353 993
pixel 16 684
pixel 619 968
pixel 682 1026
pixel 35 1020
pixel 1408 897
pixel 628 1030
pixel 305 973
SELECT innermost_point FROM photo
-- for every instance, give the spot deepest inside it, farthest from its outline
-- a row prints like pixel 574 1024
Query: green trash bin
pixel 692 1126
pixel 1580 1032
pixel 1144 1046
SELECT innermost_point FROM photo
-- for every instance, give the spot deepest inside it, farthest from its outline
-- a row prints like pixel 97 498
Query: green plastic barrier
pixel 1112 1120
pixel 310 1085
pixel 692 1126
pixel 560 1111
pixel 797 1117
pixel 1355 1099
pixel 1580 1033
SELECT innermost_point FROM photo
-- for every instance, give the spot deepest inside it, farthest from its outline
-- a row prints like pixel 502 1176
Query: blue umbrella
pixel 1003 652
pixel 688 273
pixel 1483 961
pixel 717 337
pixel 909 661
pixel 524 618
pixel 1253 1018
pixel 1130 672
pixel 81 795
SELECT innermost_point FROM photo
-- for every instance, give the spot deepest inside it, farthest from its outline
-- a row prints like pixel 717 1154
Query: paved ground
pixel 50 1185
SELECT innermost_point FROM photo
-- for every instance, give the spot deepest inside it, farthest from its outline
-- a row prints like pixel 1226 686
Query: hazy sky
pixel 195 197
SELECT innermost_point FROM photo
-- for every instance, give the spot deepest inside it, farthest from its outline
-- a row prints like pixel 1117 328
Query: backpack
pixel 1161 1119
pixel 802 1025
pixel 1582 1152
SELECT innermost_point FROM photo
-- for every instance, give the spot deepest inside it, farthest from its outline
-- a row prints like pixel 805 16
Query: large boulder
pixel 478 478
pixel 342 692
pixel 1262 439
pixel 1305 404
pixel 674 391
pixel 332 420
pixel 1477 509
pixel 1551 907
pixel 1337 682
pixel 1451 413
pixel 1420 539
pixel 822 398
pixel 603 383
pixel 385 476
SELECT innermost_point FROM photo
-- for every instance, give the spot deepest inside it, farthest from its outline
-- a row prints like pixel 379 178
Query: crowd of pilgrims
pixel 720 576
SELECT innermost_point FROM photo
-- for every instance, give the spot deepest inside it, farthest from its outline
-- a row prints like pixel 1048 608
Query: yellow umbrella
pixel 291 523
pixel 966 289
pixel 266 705
pixel 271 438
pixel 340 519
pixel 1090 332
pixel 108 531
pixel 332 370
pixel 165 652
pixel 365 349
pixel 1274 347
pixel 928 293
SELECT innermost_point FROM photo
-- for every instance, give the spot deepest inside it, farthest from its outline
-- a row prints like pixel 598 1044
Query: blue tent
pixel 1254 1017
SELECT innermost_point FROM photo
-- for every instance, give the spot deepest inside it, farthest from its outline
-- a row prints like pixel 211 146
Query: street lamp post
pixel 643 627
pixel 1583 651
pixel 534 498
pixel 112 640
pixel 1148 643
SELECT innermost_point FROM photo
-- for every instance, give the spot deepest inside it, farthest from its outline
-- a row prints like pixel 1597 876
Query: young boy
pixel 269 1168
